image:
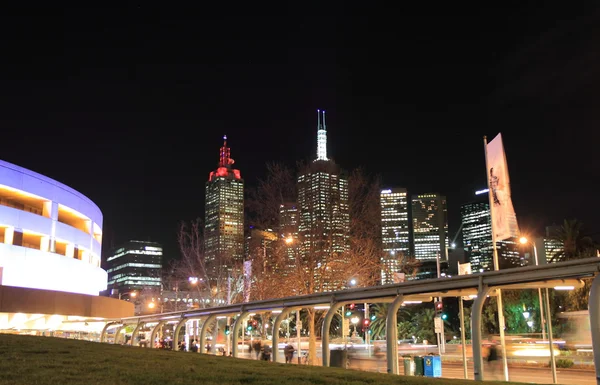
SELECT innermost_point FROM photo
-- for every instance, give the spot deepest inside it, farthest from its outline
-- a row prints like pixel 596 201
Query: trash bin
pixel 432 366
pixel 338 358
pixel 409 366
pixel 418 365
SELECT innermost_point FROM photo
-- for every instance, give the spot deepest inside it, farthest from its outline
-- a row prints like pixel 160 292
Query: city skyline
pixel 149 124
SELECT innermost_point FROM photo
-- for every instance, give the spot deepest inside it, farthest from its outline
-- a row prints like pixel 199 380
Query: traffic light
pixel 366 323
pixel 352 306
pixel 439 308
pixel 348 313
pixel 227 330
pixel 249 328
pixel 373 317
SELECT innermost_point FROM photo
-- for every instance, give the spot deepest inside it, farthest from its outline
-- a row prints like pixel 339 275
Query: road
pixel 519 374
pixel 455 370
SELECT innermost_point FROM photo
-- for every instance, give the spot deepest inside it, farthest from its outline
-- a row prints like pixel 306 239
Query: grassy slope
pixel 45 360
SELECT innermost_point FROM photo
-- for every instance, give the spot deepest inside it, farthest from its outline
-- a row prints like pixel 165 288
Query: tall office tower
pixel 552 246
pixel 394 232
pixel 430 226
pixel 477 232
pixel 288 220
pixel 224 215
pixel 323 210
pixel 477 237
pixel 134 266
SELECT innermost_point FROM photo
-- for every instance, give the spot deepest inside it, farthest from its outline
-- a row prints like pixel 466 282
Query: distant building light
pixel 479 192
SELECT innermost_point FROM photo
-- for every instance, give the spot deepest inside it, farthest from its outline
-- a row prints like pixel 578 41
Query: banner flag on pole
pixel 399 277
pixel 247 280
pixel 464 268
pixel 505 220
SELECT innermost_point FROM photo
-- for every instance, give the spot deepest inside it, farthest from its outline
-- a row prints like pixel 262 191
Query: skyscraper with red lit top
pixel 224 214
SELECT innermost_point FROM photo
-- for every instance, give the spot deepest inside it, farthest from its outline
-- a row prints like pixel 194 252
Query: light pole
pixel 298 328
pixel 289 240
pixel 192 280
pixel 524 241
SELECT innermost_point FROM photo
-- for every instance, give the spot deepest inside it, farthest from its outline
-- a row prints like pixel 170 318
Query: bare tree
pixel 218 281
pixel 307 266
pixel 264 201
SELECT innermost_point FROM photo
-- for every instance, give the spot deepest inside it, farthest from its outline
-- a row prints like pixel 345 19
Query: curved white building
pixel 50 235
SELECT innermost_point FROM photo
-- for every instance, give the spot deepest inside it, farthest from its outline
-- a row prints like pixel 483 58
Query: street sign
pixel 439 324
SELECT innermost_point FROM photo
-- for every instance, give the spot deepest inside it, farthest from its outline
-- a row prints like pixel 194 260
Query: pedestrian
pixel 256 346
pixel 266 355
pixel 288 352
pixel 492 359
pixel 194 347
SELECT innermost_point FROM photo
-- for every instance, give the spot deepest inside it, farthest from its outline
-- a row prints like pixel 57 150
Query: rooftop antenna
pixel 321 137
pixel 318 119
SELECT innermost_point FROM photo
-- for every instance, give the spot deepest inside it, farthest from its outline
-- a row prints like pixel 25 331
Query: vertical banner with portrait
pixel 504 219
pixel 247 280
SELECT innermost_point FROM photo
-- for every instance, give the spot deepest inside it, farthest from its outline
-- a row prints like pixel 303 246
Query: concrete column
pixel 70 252
pixel 154 331
pixel 118 334
pixel 134 341
pixel 391 327
pixel 45 243
pixel 237 325
pixel 9 234
pixel 277 325
pixel 176 332
pixel 594 309
pixel 211 318
pixel 325 353
pixel 104 329
pixel 476 332
pixel 54 218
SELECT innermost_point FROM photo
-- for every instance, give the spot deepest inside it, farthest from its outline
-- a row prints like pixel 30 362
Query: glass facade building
pixel 430 226
pixel 394 232
pixel 134 266
pixel 477 238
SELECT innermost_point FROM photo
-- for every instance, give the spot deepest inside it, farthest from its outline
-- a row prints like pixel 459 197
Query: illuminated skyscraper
pixel 430 226
pixel 323 206
pixel 288 220
pixel 477 233
pixel 134 266
pixel 394 231
pixel 224 214
pixel 477 238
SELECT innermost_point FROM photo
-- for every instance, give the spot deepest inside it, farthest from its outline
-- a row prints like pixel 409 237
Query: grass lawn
pixel 46 360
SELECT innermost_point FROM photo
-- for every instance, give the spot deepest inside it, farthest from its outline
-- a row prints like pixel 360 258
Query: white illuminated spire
pixel 321 137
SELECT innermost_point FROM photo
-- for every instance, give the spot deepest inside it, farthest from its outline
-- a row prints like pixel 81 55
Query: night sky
pixel 129 105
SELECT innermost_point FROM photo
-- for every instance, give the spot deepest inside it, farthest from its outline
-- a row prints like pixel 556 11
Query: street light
pixel 192 280
pixel 132 294
pixel 354 321
pixel 525 241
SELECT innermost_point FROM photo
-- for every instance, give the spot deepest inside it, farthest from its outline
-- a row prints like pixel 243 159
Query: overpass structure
pixel 477 286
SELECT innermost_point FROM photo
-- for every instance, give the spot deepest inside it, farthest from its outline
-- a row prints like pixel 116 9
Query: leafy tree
pixel 575 244
pixel 423 324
